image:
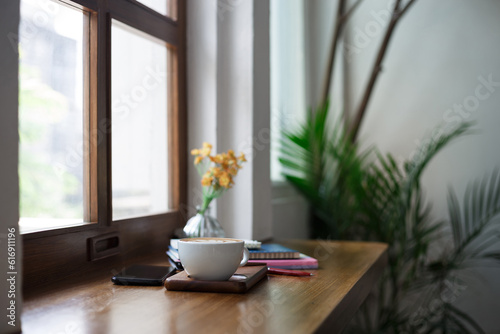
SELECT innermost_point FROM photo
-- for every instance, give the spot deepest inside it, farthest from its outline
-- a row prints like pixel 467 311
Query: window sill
pixel 56 256
pixel 33 225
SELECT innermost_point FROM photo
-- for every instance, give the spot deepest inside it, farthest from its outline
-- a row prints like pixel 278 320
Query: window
pixel 51 166
pixel 289 103
pixel 139 128
pixel 102 128
pixel 288 100
pixel 164 7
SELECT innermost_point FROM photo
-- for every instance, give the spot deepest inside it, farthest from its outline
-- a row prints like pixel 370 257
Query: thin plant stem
pixel 397 14
pixel 333 50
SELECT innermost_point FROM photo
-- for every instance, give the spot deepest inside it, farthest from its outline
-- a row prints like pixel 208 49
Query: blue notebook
pixel 273 251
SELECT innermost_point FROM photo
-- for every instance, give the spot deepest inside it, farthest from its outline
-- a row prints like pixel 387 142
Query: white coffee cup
pixel 212 259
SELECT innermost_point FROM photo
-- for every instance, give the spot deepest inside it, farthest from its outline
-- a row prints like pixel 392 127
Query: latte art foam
pixel 212 241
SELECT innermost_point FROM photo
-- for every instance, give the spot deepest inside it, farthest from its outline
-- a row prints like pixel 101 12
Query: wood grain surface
pixel 324 302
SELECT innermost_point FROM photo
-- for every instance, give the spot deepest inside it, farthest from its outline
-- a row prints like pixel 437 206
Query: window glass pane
pixel 288 100
pixel 157 5
pixel 50 115
pixel 164 7
pixel 139 123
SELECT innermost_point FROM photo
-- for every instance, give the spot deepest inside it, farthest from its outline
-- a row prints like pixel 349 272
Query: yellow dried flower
pixel 233 170
pixel 225 180
pixel 205 151
pixel 216 171
pixel 221 171
pixel 198 159
pixel 206 180
pixel 218 159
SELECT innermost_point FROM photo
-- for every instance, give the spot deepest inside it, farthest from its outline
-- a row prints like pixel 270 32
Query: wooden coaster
pixel 240 282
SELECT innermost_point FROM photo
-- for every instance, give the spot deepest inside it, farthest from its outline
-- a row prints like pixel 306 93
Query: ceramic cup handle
pixel 246 257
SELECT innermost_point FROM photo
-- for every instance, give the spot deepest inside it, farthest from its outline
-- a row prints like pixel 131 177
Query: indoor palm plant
pixel 324 165
pixel 369 196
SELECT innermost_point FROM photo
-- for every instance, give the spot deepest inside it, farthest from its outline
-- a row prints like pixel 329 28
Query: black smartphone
pixel 140 274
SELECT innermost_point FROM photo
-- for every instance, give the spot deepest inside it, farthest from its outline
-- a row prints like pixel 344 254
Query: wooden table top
pixel 324 302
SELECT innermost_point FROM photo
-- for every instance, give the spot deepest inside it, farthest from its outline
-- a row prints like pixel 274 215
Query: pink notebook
pixel 304 262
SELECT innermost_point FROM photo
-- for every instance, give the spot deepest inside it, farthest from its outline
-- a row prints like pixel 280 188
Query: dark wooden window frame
pixel 70 253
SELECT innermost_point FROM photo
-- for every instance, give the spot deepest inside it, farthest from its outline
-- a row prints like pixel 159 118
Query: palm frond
pixel 325 167
pixel 455 221
pixel 461 319
pixel 383 189
pixel 303 153
pixel 481 205
pixel 439 139
pixel 398 215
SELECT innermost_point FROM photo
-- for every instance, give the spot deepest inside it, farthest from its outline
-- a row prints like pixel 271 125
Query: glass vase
pixel 203 225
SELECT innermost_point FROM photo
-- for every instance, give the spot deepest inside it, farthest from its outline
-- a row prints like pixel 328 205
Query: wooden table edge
pixel 342 314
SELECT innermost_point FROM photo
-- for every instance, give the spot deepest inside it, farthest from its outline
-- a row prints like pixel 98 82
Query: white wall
pixel 202 89
pixel 261 133
pixel 319 24
pixel 437 54
pixel 228 105
pixel 9 194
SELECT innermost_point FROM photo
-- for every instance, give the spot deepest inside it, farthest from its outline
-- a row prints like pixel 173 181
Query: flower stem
pixel 206 203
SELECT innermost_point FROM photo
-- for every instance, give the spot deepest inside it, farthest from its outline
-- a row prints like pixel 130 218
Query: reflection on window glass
pixel 50 114
pixel 160 6
pixel 139 123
